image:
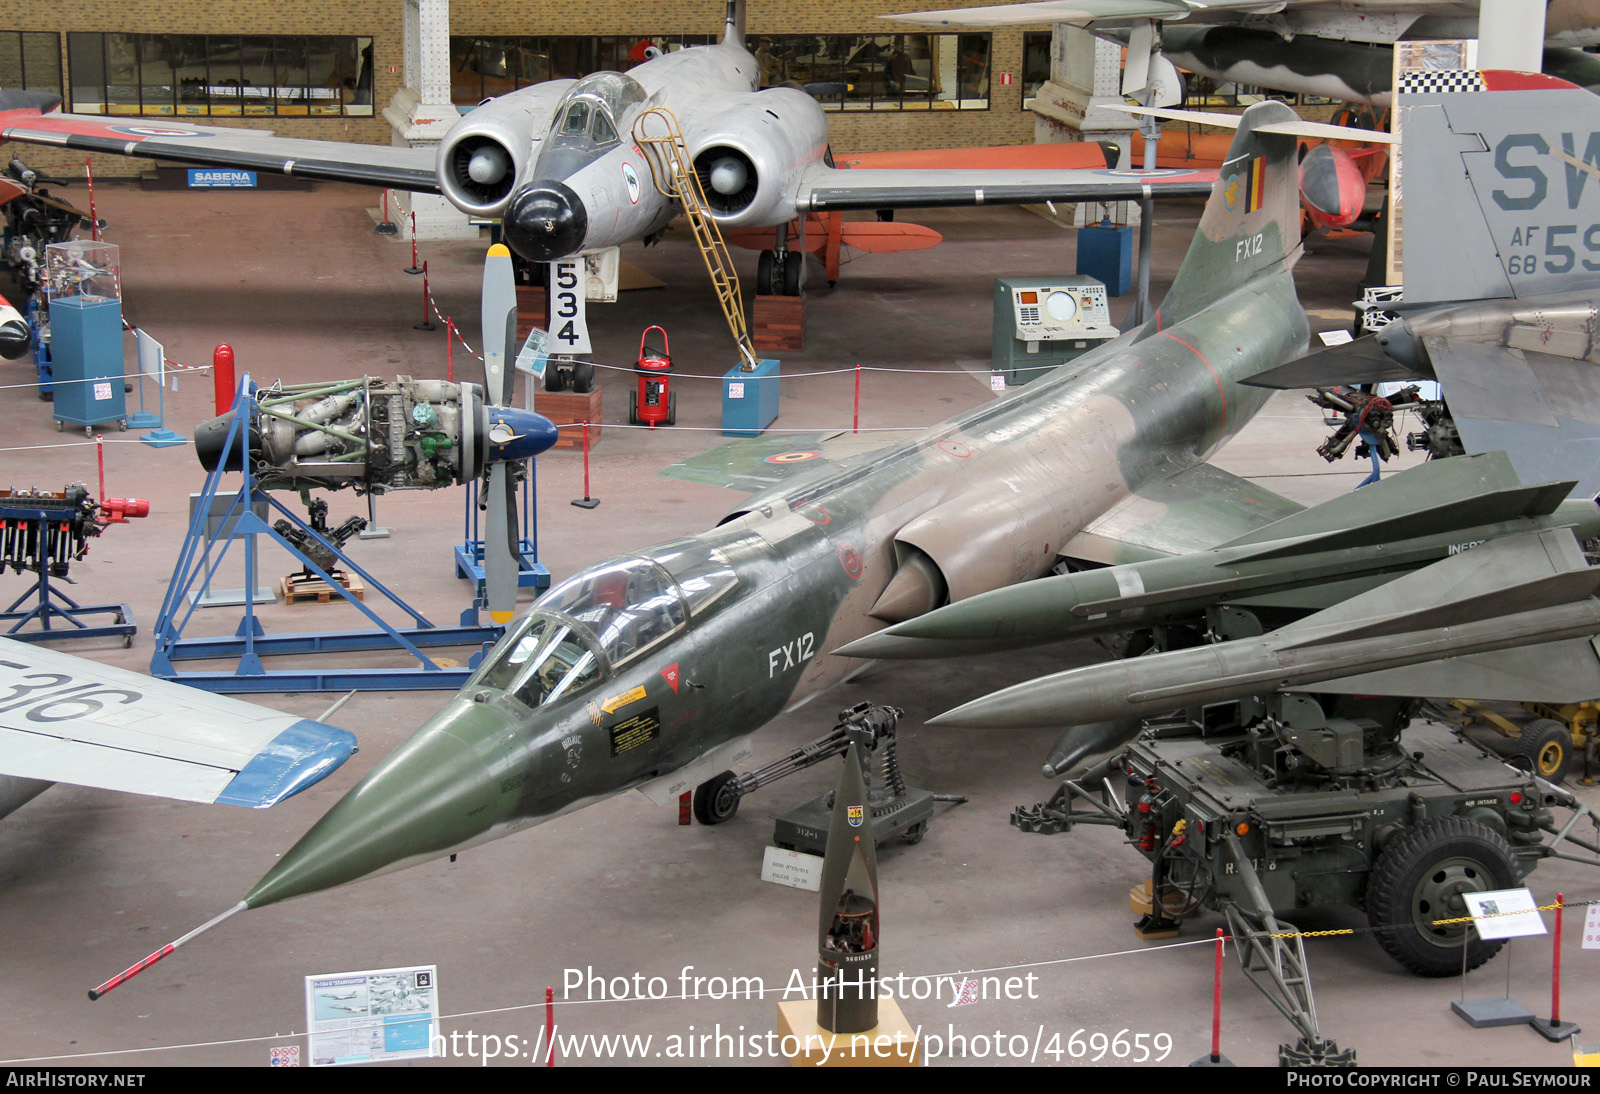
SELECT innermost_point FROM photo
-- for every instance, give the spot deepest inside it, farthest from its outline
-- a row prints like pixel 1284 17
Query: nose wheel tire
pixel 717 799
pixel 1422 877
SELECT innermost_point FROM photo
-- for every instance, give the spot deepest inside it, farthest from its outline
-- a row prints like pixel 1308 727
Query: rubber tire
pixel 555 378
pixel 633 408
pixel 794 262
pixel 672 408
pixel 913 835
pixel 1545 747
pixel 716 800
pixel 1453 853
pixel 583 377
pixel 766 266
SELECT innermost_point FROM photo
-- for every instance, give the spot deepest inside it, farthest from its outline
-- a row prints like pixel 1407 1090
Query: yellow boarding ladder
pixel 658 136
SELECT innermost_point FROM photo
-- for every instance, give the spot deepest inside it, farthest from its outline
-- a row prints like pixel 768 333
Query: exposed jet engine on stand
pixel 377 435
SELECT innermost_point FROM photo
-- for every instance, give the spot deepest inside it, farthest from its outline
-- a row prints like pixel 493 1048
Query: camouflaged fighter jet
pixel 652 670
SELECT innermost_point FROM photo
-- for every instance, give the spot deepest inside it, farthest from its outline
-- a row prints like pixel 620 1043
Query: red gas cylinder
pixel 655 401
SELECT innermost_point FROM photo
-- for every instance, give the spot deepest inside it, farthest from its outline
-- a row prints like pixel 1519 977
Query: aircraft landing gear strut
pixel 897 809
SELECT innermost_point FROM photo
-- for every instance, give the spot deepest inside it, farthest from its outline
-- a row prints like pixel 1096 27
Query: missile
pixel 1533 590
pixel 848 925
pixel 1309 560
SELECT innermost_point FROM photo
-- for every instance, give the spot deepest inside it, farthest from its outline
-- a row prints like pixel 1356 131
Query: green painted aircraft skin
pixel 991 495
pixel 1307 561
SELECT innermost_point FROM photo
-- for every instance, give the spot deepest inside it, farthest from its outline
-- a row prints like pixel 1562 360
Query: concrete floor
pixel 302 289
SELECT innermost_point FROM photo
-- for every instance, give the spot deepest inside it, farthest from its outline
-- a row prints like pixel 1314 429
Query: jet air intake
pixel 480 172
pixel 729 179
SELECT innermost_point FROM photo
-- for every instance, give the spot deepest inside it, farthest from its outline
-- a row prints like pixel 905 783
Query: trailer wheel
pixel 717 799
pixel 1420 878
pixel 1545 746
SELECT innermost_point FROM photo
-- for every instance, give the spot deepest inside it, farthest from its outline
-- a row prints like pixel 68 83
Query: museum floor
pixel 301 287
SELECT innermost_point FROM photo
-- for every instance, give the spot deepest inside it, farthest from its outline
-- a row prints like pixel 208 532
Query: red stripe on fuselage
pixel 1223 395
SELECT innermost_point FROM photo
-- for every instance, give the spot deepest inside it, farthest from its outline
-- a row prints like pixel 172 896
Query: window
pixel 482 68
pixel 220 75
pixel 871 71
pixel 881 71
pixel 30 60
pixel 1035 63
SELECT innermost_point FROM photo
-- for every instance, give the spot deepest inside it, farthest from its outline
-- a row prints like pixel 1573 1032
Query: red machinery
pixel 655 401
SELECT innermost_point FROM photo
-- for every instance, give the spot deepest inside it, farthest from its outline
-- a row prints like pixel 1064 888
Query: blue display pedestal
pixel 86 358
pixel 750 399
pixel 1105 252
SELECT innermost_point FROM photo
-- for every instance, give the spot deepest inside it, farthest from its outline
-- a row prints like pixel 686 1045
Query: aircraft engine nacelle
pixel 371 434
pixel 488 152
pixel 967 546
pixel 748 155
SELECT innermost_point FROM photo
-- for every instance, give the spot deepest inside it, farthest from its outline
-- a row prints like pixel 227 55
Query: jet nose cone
pixel 518 434
pixel 545 221
pixel 436 792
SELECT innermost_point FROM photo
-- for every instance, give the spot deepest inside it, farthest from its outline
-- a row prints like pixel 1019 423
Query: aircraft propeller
pixel 501 538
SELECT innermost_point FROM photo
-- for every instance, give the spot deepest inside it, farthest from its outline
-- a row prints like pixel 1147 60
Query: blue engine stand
pixel 531 573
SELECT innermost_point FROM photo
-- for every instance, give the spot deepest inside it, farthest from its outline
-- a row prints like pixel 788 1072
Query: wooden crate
pixel 564 407
pixel 533 309
pixel 778 322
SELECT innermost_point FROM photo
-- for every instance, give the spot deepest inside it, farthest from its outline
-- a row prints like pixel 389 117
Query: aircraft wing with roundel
pixel 218 146
pixel 66 719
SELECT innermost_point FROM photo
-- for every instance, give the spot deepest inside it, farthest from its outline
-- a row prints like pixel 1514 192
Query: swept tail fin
pixel 1501 186
pixel 1251 221
pixel 733 24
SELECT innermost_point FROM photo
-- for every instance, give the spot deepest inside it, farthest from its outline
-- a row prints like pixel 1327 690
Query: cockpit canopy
pixel 603 618
pixel 591 107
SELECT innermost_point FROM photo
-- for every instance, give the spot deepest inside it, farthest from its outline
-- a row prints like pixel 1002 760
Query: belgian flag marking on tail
pixel 1246 186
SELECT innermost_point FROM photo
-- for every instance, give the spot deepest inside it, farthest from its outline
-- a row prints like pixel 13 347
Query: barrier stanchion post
pixel 855 419
pixel 586 502
pixel 415 267
pixel 94 220
pixel 1216 1058
pixel 449 349
pixel 427 300
pixel 550 1026
pixel 1553 1028
pixel 222 385
pixel 386 226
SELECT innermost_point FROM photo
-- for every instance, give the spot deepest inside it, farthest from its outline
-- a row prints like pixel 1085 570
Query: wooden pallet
pixel 298 587
pixel 567 407
pixel 778 322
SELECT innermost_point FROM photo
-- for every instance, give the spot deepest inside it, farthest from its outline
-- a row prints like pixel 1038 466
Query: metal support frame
pixel 531 573
pixel 51 604
pixel 250 642
pixel 49 607
pixel 1273 955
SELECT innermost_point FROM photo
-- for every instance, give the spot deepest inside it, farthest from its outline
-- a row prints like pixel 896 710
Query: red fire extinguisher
pixel 655 401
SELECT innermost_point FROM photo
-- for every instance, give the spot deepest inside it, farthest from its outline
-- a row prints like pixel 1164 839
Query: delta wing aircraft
pixel 652 670
pixel 556 162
